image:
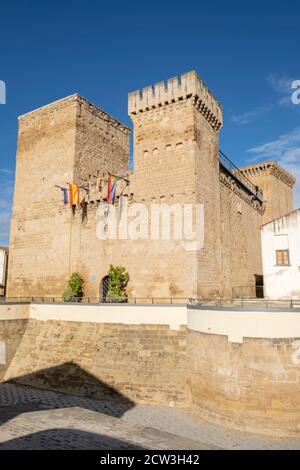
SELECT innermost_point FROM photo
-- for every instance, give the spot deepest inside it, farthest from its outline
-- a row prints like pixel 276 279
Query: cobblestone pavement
pixel 38 419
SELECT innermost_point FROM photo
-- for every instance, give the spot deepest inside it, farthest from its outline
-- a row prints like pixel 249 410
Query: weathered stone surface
pixel 13 322
pixel 253 386
pixel 176 161
pixel 138 362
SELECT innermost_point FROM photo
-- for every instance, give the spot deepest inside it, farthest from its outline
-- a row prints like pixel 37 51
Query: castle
pixel 176 161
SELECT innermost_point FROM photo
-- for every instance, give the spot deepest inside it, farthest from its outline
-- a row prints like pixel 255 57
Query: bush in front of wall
pixel 75 289
pixel 118 282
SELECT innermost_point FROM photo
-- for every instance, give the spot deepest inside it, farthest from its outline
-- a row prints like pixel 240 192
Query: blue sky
pixel 246 52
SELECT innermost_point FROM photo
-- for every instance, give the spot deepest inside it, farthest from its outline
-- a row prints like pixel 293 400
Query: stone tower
pixel 176 165
pixel 176 147
pixel 277 186
pixel 66 141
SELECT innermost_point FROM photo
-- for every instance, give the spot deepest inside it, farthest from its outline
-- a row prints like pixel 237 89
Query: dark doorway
pixel 104 288
pixel 259 286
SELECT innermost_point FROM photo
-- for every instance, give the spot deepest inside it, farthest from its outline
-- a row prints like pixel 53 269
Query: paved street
pixel 36 419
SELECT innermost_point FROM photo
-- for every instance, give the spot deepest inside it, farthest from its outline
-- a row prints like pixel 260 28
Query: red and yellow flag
pixel 74 195
pixel 110 189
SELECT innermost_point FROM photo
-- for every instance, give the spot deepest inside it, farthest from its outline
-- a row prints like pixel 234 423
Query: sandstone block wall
pixel 41 228
pixel 277 185
pixel 249 383
pixel 176 161
pixel 253 386
pixel 240 239
pixel 137 362
pixel 61 143
pixel 13 322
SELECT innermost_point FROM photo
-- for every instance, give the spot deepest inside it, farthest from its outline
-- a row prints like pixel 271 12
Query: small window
pixel 282 257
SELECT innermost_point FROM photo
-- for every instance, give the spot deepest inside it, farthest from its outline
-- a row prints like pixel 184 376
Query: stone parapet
pixel 179 88
pixel 269 167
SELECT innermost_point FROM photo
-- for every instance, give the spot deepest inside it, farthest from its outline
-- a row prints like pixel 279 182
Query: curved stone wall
pixel 249 383
pixel 132 353
pixel 238 368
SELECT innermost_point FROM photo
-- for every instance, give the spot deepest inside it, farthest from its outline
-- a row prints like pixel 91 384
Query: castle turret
pixel 176 147
pixel 277 186
pixel 63 142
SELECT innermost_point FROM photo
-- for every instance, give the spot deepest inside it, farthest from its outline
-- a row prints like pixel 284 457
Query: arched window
pixel 104 288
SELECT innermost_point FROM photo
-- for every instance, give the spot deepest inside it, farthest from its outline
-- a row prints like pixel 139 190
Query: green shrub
pixel 118 282
pixel 74 291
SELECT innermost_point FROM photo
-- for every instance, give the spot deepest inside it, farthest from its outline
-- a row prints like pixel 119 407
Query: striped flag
pixel 74 194
pixel 111 189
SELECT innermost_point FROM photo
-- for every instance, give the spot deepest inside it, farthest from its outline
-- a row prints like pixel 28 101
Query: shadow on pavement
pixel 67 439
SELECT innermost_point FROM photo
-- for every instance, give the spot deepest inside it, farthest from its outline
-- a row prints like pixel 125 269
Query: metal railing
pixel 91 300
pixel 261 303
pixel 239 176
pixel 265 303
pixel 248 292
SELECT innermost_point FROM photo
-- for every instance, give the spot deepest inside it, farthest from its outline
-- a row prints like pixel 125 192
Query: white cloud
pixel 286 151
pixel 282 86
pixel 250 116
pixel 280 83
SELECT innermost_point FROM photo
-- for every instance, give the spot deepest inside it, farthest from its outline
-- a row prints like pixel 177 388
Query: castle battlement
pixel 175 89
pixel 269 167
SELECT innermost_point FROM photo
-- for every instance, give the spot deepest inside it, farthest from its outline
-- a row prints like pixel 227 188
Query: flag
pixel 99 184
pixel 111 189
pixel 65 194
pixel 74 195
pixel 113 192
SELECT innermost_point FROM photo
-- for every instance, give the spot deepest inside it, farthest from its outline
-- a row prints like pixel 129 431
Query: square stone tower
pixel 277 186
pixel 176 160
pixel 64 142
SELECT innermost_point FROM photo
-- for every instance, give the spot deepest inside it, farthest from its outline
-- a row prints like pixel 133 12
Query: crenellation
pixel 269 167
pixel 277 186
pixel 186 86
pixel 176 161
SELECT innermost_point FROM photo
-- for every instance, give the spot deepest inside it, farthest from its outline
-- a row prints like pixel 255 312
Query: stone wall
pixel 13 322
pixel 64 142
pixel 253 386
pixel 41 228
pixel 240 239
pixel 238 368
pixel 144 363
pixel 245 367
pixel 176 143
pixel 176 162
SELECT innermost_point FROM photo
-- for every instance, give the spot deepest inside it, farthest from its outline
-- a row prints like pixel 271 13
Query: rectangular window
pixel 282 257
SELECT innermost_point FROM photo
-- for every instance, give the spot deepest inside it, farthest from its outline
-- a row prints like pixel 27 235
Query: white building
pixel 3 269
pixel 281 257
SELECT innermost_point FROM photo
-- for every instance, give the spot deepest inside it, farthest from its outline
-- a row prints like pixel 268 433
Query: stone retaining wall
pixel 13 322
pixel 145 363
pixel 197 357
pixel 253 386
